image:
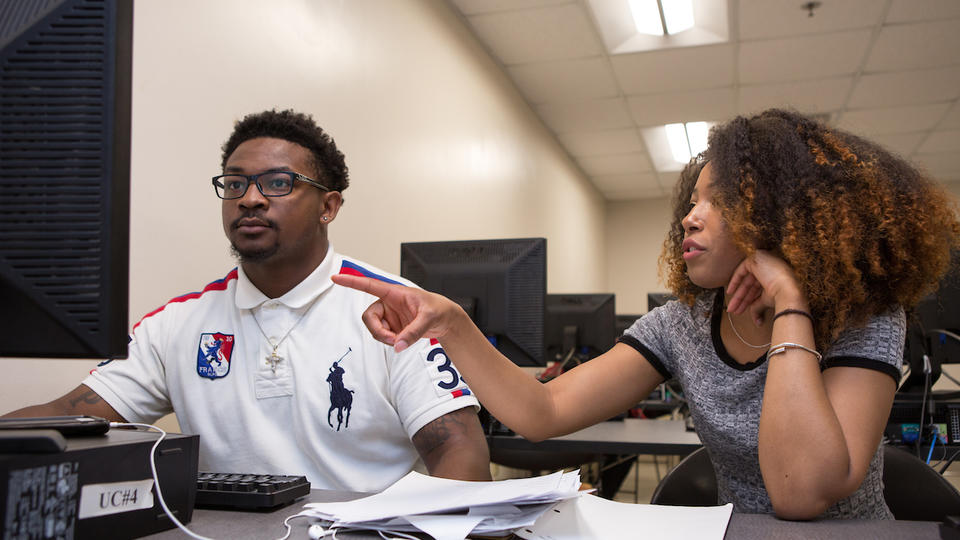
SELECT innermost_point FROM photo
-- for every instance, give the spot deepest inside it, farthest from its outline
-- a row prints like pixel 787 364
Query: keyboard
pixel 248 491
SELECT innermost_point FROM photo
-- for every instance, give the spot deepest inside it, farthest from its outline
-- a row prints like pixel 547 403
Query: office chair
pixel 913 490
pixel 916 491
pixel 691 483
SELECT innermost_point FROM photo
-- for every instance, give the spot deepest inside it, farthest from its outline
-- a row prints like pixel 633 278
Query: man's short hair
pixel 298 128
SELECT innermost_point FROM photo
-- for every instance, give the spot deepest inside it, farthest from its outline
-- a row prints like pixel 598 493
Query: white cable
pixel 286 523
pixel 156 478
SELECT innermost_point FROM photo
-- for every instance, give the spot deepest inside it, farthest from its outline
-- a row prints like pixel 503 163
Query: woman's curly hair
pixel 298 128
pixel 862 229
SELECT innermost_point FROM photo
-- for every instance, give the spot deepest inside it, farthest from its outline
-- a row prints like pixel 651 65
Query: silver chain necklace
pixel 732 326
pixel 274 359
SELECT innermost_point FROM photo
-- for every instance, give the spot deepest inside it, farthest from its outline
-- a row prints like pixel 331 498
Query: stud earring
pixel 325 218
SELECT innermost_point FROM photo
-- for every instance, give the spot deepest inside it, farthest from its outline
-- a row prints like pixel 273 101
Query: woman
pixel 794 250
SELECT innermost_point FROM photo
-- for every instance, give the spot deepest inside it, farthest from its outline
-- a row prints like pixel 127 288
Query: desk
pixel 627 436
pixel 605 442
pixel 259 526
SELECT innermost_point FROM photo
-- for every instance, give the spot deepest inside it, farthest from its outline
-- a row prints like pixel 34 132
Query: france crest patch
pixel 213 355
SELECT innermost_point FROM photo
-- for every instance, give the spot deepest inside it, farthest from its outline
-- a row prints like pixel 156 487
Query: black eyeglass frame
pixel 255 179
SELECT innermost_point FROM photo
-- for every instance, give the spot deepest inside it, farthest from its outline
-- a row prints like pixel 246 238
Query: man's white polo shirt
pixel 340 407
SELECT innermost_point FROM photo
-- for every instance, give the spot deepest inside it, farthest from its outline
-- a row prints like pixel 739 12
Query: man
pixel 271 365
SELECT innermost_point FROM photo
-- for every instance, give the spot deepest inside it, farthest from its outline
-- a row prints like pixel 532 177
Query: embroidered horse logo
pixel 341 397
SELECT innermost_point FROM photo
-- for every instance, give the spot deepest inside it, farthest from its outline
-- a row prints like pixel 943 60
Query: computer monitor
pixel 584 324
pixel 500 283
pixel 657 299
pixel 64 177
pixel 625 321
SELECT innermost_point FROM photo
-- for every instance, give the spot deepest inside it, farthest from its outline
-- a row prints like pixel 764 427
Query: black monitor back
pixel 64 177
pixel 657 299
pixel 501 284
pixel 584 323
pixel 625 321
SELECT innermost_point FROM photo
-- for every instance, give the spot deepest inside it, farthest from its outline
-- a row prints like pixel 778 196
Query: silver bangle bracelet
pixel 782 348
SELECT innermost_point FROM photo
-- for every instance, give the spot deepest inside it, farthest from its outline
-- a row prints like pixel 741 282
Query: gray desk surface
pixel 627 436
pixel 259 526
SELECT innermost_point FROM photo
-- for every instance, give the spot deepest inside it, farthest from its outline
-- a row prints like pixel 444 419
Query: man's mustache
pixel 251 219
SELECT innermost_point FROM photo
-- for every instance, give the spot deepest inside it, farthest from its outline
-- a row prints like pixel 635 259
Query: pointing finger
pixel 368 285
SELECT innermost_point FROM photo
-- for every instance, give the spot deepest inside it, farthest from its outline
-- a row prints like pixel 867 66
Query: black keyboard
pixel 248 491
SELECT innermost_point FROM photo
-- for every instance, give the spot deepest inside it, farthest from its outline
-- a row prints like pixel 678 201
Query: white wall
pixel 439 144
pixel 635 234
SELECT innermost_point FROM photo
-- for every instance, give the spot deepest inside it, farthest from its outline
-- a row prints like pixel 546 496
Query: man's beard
pixel 253 255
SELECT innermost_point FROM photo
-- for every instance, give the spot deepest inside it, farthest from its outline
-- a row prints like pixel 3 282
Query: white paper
pixel 416 493
pixel 451 509
pixel 445 526
pixel 590 516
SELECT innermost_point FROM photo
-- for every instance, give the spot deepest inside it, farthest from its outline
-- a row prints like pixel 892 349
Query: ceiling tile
pixel 943 167
pixel 690 68
pixel 922 10
pixel 800 58
pixel 902 143
pixel 818 96
pixel 781 18
pixel 871 122
pixel 601 143
pixel 567 80
pixel 915 46
pixel 593 115
pixel 614 164
pixel 534 35
pixel 705 105
pixel 952 118
pixel 906 88
pixel 941 142
pixel 473 7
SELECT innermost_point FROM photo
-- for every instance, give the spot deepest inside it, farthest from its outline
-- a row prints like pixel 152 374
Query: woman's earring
pixel 325 218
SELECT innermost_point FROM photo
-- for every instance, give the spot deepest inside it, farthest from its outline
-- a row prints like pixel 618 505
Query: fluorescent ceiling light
pixel 629 26
pixel 697 136
pixel 646 17
pixel 678 14
pixel 686 140
pixel 649 16
pixel 679 147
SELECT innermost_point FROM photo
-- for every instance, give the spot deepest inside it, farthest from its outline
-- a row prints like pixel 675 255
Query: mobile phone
pixel 68 426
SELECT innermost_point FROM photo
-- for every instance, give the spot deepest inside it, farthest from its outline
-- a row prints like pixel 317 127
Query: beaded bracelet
pixel 782 348
pixel 793 312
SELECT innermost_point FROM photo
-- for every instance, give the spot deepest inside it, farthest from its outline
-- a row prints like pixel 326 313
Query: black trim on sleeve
pixel 646 353
pixel 865 363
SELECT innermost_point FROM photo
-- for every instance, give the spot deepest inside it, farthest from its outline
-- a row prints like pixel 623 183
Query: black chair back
pixel 916 491
pixel 691 483
pixel 913 490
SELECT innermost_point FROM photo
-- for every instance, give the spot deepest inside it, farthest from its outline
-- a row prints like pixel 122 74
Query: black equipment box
pixel 101 486
pixel 942 410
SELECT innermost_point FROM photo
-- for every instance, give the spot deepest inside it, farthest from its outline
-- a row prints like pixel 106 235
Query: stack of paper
pixel 451 509
pixel 590 516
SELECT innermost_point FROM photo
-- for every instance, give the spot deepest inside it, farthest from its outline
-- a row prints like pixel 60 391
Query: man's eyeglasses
pixel 270 184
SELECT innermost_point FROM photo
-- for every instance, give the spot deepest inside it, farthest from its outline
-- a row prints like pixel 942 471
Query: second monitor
pixel 500 283
pixel 579 324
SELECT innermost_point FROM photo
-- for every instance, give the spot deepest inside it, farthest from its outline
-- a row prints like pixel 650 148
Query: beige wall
pixel 439 144
pixel 635 234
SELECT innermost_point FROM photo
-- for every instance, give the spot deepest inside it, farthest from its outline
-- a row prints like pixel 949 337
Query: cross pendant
pixel 273 360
